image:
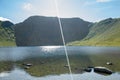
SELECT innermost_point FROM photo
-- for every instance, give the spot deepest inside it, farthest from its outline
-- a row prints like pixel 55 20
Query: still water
pixel 53 61
pixel 19 74
pixel 19 53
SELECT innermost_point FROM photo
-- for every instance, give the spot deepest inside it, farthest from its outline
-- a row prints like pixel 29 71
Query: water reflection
pixel 20 53
pixel 51 60
pixel 19 74
pixel 50 48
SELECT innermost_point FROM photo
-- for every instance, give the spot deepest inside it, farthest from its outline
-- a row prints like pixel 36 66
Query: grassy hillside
pixel 103 33
pixel 6 34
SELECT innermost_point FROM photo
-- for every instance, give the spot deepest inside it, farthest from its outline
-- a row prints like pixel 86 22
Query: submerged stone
pixel 66 66
pixel 88 69
pixel 109 63
pixel 28 64
pixel 26 67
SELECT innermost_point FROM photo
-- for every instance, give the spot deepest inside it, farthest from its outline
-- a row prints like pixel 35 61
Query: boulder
pixel 102 70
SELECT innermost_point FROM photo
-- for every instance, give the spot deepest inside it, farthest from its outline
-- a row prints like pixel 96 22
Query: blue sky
pixel 89 10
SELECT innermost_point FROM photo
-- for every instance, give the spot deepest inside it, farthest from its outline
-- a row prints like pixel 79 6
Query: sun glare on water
pixel 50 48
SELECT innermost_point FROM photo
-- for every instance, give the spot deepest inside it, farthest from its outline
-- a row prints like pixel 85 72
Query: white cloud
pixel 45 8
pixel 103 1
pixel 88 3
pixel 27 6
pixel 4 19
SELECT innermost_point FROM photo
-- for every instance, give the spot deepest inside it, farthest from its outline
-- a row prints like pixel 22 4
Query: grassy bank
pixel 7 43
pixel 94 43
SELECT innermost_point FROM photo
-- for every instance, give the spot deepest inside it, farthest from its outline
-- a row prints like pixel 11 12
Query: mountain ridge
pixel 43 31
pixel 47 31
pixel 7 33
pixel 103 33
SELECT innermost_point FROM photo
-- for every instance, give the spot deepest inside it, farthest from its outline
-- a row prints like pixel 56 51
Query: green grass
pixel 6 36
pixel 7 43
pixel 6 66
pixel 94 43
pixel 103 33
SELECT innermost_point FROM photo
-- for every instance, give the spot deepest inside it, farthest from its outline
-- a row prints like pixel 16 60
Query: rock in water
pixel 102 70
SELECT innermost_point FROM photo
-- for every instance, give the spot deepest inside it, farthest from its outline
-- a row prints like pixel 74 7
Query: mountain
pixel 41 31
pixel 103 33
pixel 7 33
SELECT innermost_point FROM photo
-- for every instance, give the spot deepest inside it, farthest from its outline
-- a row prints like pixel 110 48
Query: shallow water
pixel 19 74
pixel 49 61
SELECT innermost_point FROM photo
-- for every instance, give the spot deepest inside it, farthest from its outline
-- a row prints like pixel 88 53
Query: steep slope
pixel 103 33
pixel 6 33
pixel 41 31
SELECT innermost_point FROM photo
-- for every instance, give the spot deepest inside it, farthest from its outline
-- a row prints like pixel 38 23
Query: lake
pixel 49 62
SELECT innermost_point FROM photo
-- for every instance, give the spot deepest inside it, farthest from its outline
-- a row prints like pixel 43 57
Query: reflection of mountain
pixel 103 33
pixel 38 30
pixel 6 33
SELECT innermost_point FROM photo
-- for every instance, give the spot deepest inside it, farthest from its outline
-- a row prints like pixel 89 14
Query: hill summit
pixel 103 33
pixel 41 31
pixel 7 33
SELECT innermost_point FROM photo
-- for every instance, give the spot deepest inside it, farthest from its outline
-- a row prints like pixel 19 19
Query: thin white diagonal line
pixel 61 29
